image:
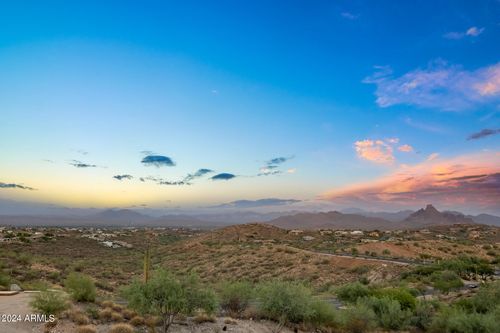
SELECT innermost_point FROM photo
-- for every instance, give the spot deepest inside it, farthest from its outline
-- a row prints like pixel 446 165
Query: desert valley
pixel 429 262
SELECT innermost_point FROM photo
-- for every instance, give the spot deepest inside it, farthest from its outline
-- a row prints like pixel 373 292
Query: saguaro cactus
pixel 147 262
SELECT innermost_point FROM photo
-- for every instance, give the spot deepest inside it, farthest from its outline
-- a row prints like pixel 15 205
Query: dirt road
pixel 13 307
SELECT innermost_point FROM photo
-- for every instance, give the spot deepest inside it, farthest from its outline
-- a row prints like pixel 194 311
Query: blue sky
pixel 353 94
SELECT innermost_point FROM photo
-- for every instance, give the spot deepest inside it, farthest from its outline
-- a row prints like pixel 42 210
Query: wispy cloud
pixel 471 32
pixel 79 164
pixel 82 152
pixel 440 86
pixel 161 181
pixel 173 183
pixel 278 160
pixel 16 186
pixel 432 156
pixel 223 176
pixel 464 181
pixel 269 171
pixel 483 133
pixel 157 161
pixel 257 203
pixel 187 180
pixel 424 126
pixel 349 15
pixel 198 174
pixel 122 177
pixel 271 166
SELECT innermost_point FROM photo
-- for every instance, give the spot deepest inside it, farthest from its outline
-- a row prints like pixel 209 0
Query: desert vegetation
pixel 226 277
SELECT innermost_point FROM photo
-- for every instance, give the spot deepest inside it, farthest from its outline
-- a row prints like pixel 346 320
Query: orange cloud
pixel 375 151
pixel 379 151
pixel 405 148
pixel 464 182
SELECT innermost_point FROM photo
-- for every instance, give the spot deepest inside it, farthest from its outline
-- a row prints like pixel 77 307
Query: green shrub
pixel 323 315
pixel 285 302
pixel 4 280
pixel 388 311
pixel 402 295
pixel 358 319
pixel 423 314
pixel 49 302
pixel 80 287
pixel 487 299
pixel 235 297
pixel 352 291
pixel 167 296
pixel 446 281
pixel 458 321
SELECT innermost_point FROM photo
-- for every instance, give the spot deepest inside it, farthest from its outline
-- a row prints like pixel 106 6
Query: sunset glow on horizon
pixel 134 105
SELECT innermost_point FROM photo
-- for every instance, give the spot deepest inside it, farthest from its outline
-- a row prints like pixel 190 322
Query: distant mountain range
pixel 420 219
pixel 347 219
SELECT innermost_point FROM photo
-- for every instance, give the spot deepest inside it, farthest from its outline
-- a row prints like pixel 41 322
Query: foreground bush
pixel 285 302
pixel 389 313
pixel 402 295
pixel 423 314
pixel 487 299
pixel 121 328
pixel 167 296
pixel 80 287
pixel 350 292
pixel 235 297
pixel 49 302
pixel 86 329
pixel 323 315
pixel 446 281
pixel 4 280
pixel 458 321
pixel 358 319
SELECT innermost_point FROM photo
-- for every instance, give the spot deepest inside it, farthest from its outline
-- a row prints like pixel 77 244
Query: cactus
pixel 147 263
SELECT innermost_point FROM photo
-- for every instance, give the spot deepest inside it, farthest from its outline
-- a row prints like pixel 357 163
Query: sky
pixel 382 105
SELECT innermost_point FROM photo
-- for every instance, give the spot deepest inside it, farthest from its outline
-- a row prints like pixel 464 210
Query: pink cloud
pixel 405 148
pixel 380 151
pixel 468 182
pixel 374 151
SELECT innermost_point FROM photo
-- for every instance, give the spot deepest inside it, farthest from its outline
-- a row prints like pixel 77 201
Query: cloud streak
pixel 471 32
pixel 223 176
pixel 16 186
pixel 439 86
pixel 483 133
pixel 257 203
pixel 79 164
pixel 122 177
pixel 198 174
pixel 157 161
pixel 471 181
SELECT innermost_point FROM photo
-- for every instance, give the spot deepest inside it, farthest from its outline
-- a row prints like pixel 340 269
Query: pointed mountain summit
pixel 431 216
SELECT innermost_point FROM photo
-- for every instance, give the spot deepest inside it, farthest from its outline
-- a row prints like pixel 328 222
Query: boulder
pixel 15 287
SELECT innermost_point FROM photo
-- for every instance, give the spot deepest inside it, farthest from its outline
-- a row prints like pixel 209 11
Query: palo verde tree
pixel 166 296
